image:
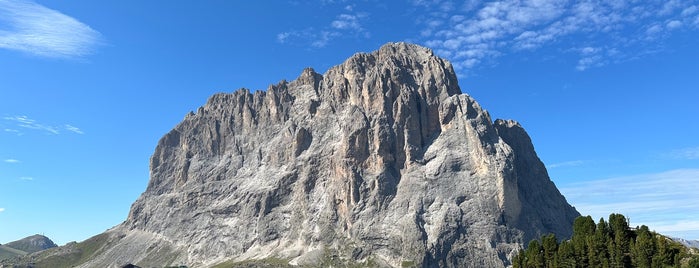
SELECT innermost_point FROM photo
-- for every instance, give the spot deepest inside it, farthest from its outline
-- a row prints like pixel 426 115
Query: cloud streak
pixel 73 129
pixel 666 201
pixel 691 153
pixel 35 29
pixel 476 32
pixel 2 209
pixel 573 163
pixel 12 161
pixel 22 121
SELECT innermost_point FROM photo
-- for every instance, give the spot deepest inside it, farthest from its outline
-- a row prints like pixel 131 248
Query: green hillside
pixel 24 246
pixel 8 252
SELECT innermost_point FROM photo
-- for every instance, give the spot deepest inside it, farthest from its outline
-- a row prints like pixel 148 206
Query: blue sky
pixel 606 89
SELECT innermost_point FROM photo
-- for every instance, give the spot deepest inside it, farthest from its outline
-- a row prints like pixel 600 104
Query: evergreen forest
pixel 607 244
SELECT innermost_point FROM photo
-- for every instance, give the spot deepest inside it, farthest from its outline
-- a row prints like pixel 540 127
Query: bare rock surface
pixel 381 160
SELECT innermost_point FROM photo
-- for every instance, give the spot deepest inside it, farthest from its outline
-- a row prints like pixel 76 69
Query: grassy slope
pixel 70 255
pixel 79 253
pixel 8 252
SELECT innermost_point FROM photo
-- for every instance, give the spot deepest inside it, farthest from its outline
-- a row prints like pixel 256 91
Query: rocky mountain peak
pixel 32 243
pixel 380 160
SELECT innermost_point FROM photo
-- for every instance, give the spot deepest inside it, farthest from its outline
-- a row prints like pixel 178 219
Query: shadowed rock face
pixel 380 159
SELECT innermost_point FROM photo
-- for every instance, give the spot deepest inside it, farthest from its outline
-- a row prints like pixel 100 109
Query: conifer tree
pixel 609 244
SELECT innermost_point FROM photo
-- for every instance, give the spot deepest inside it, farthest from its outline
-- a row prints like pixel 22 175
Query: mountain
pixel 25 246
pixel 381 161
pixel 687 243
pixel 32 243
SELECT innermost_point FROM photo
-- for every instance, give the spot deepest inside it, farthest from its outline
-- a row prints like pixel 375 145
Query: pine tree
pixel 622 239
pixel 519 261
pixel 534 255
pixel 644 248
pixel 566 255
pixel 600 242
pixel 583 227
pixel 549 244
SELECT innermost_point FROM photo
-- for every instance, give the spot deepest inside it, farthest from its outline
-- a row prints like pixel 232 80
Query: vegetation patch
pixel 606 244
pixel 76 254
pixel 8 252
pixel 263 263
pixel 407 264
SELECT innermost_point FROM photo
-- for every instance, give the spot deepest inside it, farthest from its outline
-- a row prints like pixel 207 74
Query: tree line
pixel 607 244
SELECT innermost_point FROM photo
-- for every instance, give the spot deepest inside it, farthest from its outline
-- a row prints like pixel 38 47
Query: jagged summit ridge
pixel 380 160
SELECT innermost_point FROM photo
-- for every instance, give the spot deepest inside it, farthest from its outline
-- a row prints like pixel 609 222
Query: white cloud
pixel 691 153
pixel 74 129
pixel 346 22
pixel 23 121
pixel 674 24
pixel 573 163
pixel 2 209
pixel 323 38
pixel 27 178
pixel 513 26
pixel 36 29
pixel 666 201
pixel 281 37
pixel 344 25
pixel 671 227
pixel 26 122
pixel 12 161
pixel 689 10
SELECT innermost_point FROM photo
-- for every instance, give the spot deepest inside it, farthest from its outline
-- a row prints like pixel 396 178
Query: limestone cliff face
pixel 380 160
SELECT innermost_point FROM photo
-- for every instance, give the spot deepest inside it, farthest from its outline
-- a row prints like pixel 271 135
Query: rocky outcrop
pixel 381 160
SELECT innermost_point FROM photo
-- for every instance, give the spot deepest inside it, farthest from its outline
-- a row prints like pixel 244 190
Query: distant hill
pixel 687 243
pixel 24 246
pixel 32 244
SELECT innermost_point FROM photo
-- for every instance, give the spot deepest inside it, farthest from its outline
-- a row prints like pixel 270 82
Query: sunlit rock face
pixel 381 160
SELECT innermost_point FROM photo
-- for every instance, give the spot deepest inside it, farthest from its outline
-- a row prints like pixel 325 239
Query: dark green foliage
pixel 535 255
pixel 694 262
pixel 549 244
pixel 606 245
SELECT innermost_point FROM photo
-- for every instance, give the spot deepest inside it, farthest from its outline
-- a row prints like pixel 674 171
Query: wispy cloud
pixel 691 153
pixel 665 201
pixel 573 163
pixel 26 122
pixel 12 161
pixel 26 178
pixel 606 31
pixel 74 129
pixel 347 24
pixel 32 28
pixel 9 130
pixel 22 121
pixel 2 209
